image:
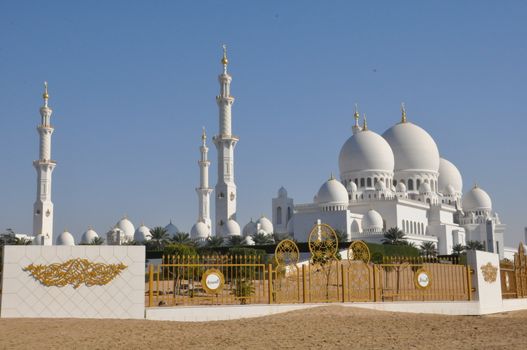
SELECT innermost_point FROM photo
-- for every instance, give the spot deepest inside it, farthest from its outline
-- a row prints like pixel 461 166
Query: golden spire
pixel 403 113
pixel 45 95
pixel 224 60
pixel 365 123
pixel 203 133
pixel 356 115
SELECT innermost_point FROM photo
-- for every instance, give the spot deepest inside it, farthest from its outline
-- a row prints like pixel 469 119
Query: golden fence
pixel 179 281
pixel 514 275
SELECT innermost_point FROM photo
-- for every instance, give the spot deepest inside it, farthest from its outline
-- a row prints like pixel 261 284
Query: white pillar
pixel 43 207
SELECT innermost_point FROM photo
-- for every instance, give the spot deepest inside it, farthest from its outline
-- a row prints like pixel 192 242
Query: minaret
pixel 225 143
pixel 203 190
pixel 43 207
pixel 356 128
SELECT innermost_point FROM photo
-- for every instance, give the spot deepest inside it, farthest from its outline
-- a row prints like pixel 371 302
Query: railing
pixel 249 280
pixel 178 281
pixel 509 279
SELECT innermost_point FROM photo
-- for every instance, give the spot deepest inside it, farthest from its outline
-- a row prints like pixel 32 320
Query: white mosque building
pixel 397 179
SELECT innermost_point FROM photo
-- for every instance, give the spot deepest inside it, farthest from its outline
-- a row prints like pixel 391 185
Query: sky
pixel 132 83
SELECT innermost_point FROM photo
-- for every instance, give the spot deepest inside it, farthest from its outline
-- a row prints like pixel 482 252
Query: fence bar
pixel 270 282
pixel 469 282
pixel 343 282
pixel 150 285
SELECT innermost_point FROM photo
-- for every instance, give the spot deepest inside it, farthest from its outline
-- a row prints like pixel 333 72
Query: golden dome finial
pixel 403 113
pixel 45 95
pixel 365 123
pixel 224 60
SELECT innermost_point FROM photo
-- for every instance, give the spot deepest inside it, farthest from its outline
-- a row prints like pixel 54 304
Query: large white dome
pixel 172 229
pixel 249 229
pixel 65 238
pixel 413 148
pixel 265 225
pixel 231 228
pixel 127 227
pixel 88 236
pixel 142 234
pixel 200 230
pixel 449 175
pixel 476 199
pixel 365 150
pixel 372 221
pixel 332 192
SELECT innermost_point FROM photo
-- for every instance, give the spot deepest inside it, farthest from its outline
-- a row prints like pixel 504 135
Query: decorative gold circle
pixel 286 253
pixel 417 275
pixel 323 243
pixel 358 250
pixel 212 272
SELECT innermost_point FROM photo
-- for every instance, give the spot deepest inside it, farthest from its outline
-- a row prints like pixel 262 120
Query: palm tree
pixel 474 245
pixel 262 239
pixel 394 236
pixel 182 238
pixel 214 242
pixel 235 241
pixel 458 249
pixel 428 249
pixel 159 236
pixel 97 241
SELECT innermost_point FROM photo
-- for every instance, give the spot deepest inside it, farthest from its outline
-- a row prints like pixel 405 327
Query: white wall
pixel 24 296
pixel 488 293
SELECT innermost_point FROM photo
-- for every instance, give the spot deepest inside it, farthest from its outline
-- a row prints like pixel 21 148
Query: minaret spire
pixel 225 143
pixel 403 113
pixel 43 207
pixel 365 123
pixel 203 190
pixel 356 127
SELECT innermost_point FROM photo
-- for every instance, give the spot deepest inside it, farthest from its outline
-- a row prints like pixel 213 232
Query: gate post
pixel 270 282
pixel 150 285
pixel 303 283
pixel 343 281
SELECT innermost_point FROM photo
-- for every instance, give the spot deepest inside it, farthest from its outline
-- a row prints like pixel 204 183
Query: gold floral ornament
pixel 490 272
pixel 286 253
pixel 359 251
pixel 75 272
pixel 323 243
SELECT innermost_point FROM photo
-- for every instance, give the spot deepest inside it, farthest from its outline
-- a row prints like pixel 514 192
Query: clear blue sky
pixel 132 83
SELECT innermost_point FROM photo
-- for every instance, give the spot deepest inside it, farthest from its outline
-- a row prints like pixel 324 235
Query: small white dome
pixel 425 188
pixel 449 175
pixel 172 229
pixel 449 190
pixel 231 228
pixel 365 150
pixel 142 234
pixel 265 225
pixel 65 238
pixel 380 186
pixel 372 221
pixel 127 227
pixel 352 187
pixel 282 192
pixel 88 236
pixel 476 199
pixel 332 192
pixel 413 148
pixel 200 230
pixel 249 229
pixel 401 187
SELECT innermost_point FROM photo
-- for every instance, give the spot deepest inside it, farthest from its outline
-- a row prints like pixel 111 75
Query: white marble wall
pixel 24 296
pixel 488 293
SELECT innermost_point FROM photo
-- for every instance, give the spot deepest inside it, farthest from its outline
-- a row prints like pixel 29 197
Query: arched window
pixel 415 227
pixel 357 182
pixel 368 182
pixel 394 182
pixel 362 182
pixel 410 185
pixel 375 180
pixel 418 184
pixel 428 200
pixel 422 228
pixel 279 215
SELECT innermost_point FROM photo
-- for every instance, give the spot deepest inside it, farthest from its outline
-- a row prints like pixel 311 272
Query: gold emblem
pixel 75 272
pixel 358 250
pixel 286 253
pixel 490 272
pixel 212 281
pixel 422 279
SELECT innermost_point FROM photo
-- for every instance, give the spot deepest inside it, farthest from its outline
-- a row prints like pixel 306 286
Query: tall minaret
pixel 43 207
pixel 203 190
pixel 225 143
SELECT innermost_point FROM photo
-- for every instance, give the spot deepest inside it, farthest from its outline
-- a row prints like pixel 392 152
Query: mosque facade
pixel 394 180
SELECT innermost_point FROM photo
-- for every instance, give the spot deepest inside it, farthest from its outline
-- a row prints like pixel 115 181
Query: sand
pixel 328 327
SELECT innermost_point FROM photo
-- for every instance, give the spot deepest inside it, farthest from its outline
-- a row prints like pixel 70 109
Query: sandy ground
pixel 328 327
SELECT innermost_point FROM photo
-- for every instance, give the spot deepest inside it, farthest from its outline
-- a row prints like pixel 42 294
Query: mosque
pixel 397 179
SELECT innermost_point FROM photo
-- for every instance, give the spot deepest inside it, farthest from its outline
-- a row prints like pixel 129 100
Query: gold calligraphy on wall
pixel 75 272
pixel 490 272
